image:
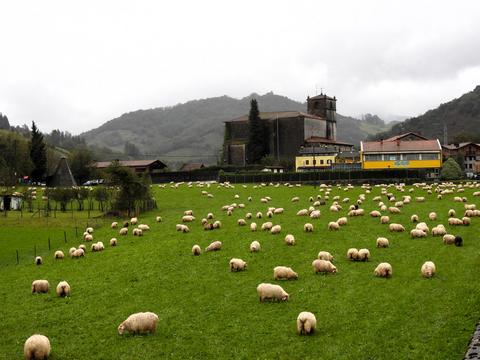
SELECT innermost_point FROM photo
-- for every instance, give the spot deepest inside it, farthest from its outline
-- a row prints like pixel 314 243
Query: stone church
pixel 288 131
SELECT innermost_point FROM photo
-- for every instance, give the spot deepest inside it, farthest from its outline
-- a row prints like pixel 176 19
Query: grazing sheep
pixel 375 213
pixel 439 230
pixel 466 221
pixel 363 255
pixel 89 230
pixel 458 241
pixel 258 215
pixel 383 208
pixel 432 216
pixel 295 199
pixel 123 231
pixel 143 227
pixel 71 250
pixel 396 227
pixel 417 233
pixel 308 227
pixel 284 273
pixel 214 246
pixel 237 265
pixel 394 210
pixel 63 289
pixel 352 254
pixel 306 323
pixel 384 270
pixel 217 225
pixel 276 229
pixel 325 255
pixel 37 347
pixel 38 260
pixel 267 226
pixel 455 221
pixel 384 220
pixel 40 286
pixel 83 247
pixel 196 250
pixel 133 221
pixel 470 206
pixel 451 213
pixel 399 204
pixel 342 221
pixel 269 214
pixel 448 239
pixel 59 255
pixel 323 266
pixel 78 254
pixel 303 212
pixel 188 218
pixel 248 215
pixel 139 323
pixel 137 232
pixel 241 222
pixel 188 212
pixel 183 228
pixel 113 242
pixel 290 239
pixel 332 225
pixel 114 225
pixel 271 292
pixel 88 237
pixel 278 211
pixel 334 208
pixel 420 199
pixel 255 246
pixel 158 219
pixel 315 214
pixel 422 226
pixel 428 269
pixel 382 242
pixel 253 226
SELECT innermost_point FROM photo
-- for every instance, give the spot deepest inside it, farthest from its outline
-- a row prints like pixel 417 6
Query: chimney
pixel 398 142
pixel 381 141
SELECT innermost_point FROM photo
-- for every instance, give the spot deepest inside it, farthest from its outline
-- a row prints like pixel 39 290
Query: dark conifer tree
pixel 38 154
pixel 256 147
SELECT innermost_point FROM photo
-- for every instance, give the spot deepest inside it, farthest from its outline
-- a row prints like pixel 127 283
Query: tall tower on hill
pixel 326 107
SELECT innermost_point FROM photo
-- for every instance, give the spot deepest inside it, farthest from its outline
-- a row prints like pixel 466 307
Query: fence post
pixel 76 232
pixel 35 250
pixel 49 247
pixel 17 256
pixel 65 236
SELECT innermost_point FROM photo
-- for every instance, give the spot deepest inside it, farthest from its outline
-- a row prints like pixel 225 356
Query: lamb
pixel 183 228
pixel 384 270
pixel 37 347
pixel 209 216
pixel 114 225
pixel 188 218
pixel 458 241
pixel 308 227
pixel 332 225
pixel 399 204
pixel 40 286
pixel 214 246
pixel 306 323
pixel 59 255
pixel 325 255
pixel 276 229
pixel 269 214
pixel 352 254
pixel 333 208
pixel 217 225
pixel 248 215
pixel 375 213
pixel 432 216
pixel 196 250
pixel 363 255
pixel 255 246
pixel 138 323
pixel 253 226
pixel 267 226
pixel 284 273
pixel 323 266
pixel 428 269
pixel 188 212
pixel 382 242
pixel 63 289
pixel 448 239
pixel 133 221
pixel 384 220
pixel 143 227
pixel 137 232
pixel 451 213
pixel 417 233
pixel 342 221
pixel 272 292
pixel 470 206
pixel 113 242
pixel 290 239
pixel 241 222
pixel 303 212
pixel 258 215
pixel 394 210
pixel 237 265
pixel 123 231
pixel 38 260
pixel 396 227
pixel 89 230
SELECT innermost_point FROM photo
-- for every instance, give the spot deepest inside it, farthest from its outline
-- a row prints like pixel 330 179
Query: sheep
pixel 428 269
pixel 284 273
pixel 384 219
pixel 89 230
pixel 396 227
pixel 133 221
pixel 334 208
pixel 137 232
pixel 241 222
pixel 123 231
pixel 214 246
pixel 432 216
pixel 308 227
pixel 289 239
pixel 382 242
pixel 59 255
pixel 97 246
pixel 420 199
pixel 394 210
pixel 217 224
pixel 267 226
pixel 78 254
pixel 114 225
pixel 383 208
pixel 342 221
pixel 255 246
pixel 248 215
pixel 278 211
pixel 323 266
pixel 143 227
pixel 113 242
pixel 332 225
pixel 357 212
pixel 83 247
pixel 399 204
pixel 158 219
pixel 466 221
pixel 138 323
pixel 470 206
pixel 384 270
pixel 188 218
pixel 315 214
pixel 295 199
pixel 458 241
pixel 325 255
pixel 126 224
pixel 455 221
pixel 237 265
pixel 37 347
pixel 40 286
pixel 363 255
pixel 182 228
pixel 352 254
pixel 417 233
pixel 63 289
pixel 269 214
pixel 188 212
pixel 88 237
pixel 457 199
pixel 303 212
pixel 38 260
pixel 258 215
pixel 306 323
pixel 276 229
pixel 414 218
pixel 451 213
pixel 422 226
pixel 71 250
pixel 448 239
pixel 272 292
pixel 375 213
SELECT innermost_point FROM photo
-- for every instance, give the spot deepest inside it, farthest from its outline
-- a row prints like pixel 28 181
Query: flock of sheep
pixel 38 346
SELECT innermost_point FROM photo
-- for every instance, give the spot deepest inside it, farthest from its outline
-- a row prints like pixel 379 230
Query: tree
pixel 257 146
pixel 451 170
pixel 38 154
pixel 81 164
pixel 4 124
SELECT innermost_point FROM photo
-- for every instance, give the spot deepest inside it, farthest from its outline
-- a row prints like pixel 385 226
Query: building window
pixel 411 156
pixel 393 157
pixel 321 162
pixel 307 162
pixel 429 156
pixel 373 157
pixel 470 166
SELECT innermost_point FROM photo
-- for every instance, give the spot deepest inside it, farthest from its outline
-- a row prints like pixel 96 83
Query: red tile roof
pixel 398 146
pixel 280 115
pixel 401 136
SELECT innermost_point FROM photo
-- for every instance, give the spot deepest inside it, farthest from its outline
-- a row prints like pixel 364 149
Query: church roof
pixel 271 115
pixel 321 96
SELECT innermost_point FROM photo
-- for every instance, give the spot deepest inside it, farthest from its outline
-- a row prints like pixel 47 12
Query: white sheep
pixel 214 246
pixel 71 250
pixel 63 289
pixel 384 219
pixel 248 215
pixel 258 215
pixel 375 213
pixel 133 221
pixel 217 224
pixel 325 255
pixel 272 292
pixel 315 214
pixel 89 230
pixel 332 225
pixel 417 233
pixel 306 323
pixel 40 286
pixel 143 227
pixel 278 211
pixel 448 239
pixel 439 230
pixel 323 266
pixel 432 216
pixel 414 218
pixel 284 273
pixel 38 260
pixel 352 254
pixel 451 213
pixel 382 242
pixel 113 242
pixel 455 221
pixel 188 218
pixel 363 255
pixel 255 246
pixel 394 210
pixel 37 347
pixel 88 237
pixel 237 265
pixel 466 221
pixel 182 228
pixel 302 212
pixel 59 254
pixel 123 231
pixel 139 323
pixel 420 199
pixel 241 222
pixel 267 226
pixel 396 227
pixel 342 221
pixel 137 232
pixel 308 227
pixel 188 212
pixel 428 269
pixel 114 225
pixel 384 270
pixel 276 229
pixel 158 219
pixel 290 239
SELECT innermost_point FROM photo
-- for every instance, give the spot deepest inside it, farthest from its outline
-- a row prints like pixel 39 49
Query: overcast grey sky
pixel 76 64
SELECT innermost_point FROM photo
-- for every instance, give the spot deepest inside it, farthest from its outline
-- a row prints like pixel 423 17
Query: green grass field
pixel 206 311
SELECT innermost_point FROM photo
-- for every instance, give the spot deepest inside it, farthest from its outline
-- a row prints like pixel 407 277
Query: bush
pixel 451 170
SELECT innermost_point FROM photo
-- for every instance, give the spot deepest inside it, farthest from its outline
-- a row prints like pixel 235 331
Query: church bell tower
pixel 326 107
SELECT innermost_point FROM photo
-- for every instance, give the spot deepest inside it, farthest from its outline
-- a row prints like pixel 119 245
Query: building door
pixel 7 201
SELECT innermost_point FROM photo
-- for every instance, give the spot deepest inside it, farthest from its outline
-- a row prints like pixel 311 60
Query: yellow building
pixel 307 162
pixel 408 151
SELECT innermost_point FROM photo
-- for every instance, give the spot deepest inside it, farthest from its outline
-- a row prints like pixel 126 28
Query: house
pixel 192 167
pixel 140 166
pixel 469 152
pixel 287 131
pixel 406 151
pixel 62 176
pixel 336 157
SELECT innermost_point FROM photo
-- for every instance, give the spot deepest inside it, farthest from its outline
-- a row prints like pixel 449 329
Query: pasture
pixel 206 311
